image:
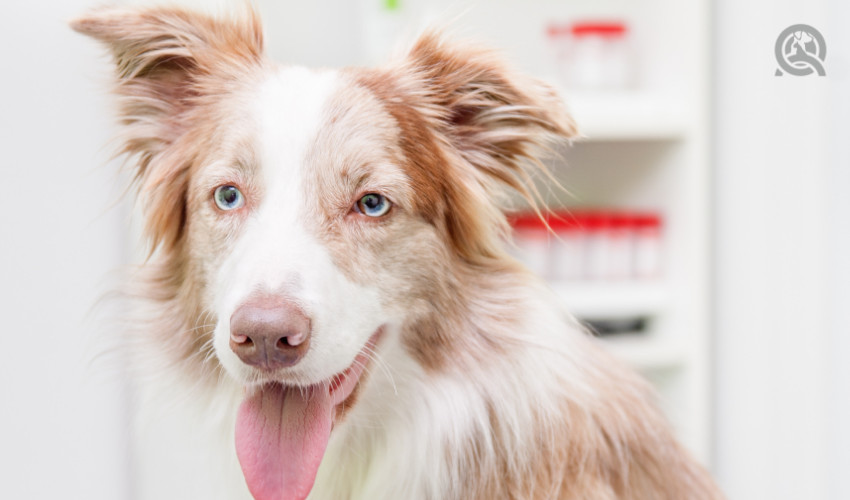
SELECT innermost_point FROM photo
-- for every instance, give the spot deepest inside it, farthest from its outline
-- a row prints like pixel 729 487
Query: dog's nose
pixel 269 332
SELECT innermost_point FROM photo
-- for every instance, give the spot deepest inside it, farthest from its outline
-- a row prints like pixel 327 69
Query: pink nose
pixel 269 332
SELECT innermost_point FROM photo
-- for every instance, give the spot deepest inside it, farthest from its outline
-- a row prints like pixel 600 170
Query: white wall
pixel 838 405
pixel 776 188
pixel 61 424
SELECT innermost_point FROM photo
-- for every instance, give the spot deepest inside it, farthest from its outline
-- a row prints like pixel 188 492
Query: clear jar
pixel 647 246
pixel 620 246
pixel 568 252
pixel 593 55
pixel 597 246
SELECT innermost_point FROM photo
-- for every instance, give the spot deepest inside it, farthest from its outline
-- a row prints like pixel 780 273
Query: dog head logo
pixel 800 51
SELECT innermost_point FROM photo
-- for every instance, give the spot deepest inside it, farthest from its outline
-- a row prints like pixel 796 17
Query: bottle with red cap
pixel 568 249
pixel 593 54
pixel 596 248
pixel 621 240
pixel 647 245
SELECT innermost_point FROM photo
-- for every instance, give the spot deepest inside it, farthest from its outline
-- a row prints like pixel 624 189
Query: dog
pixel 328 309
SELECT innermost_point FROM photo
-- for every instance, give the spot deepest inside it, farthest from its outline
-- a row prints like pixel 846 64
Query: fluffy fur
pixel 480 387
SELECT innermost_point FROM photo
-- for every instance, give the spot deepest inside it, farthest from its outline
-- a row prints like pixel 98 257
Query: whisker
pixel 373 355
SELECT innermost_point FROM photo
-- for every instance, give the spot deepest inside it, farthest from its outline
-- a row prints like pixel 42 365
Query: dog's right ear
pixel 167 59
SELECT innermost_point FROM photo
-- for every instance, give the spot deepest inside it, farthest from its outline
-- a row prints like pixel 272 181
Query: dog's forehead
pixel 320 132
pixel 289 111
pixel 306 118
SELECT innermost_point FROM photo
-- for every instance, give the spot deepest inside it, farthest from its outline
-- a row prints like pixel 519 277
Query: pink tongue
pixel 281 436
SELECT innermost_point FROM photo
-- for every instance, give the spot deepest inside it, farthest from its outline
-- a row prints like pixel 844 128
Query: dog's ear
pixel 166 60
pixel 484 105
pixel 497 123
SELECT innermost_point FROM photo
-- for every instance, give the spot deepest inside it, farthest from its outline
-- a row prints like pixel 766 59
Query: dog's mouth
pixel 282 431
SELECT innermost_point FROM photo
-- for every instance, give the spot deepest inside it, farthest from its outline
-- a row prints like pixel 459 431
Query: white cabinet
pixel 647 149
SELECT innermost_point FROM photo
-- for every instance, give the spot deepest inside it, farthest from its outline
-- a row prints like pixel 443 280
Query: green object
pixel 391 4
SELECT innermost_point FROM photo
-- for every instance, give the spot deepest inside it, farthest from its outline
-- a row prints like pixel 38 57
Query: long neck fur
pixel 538 412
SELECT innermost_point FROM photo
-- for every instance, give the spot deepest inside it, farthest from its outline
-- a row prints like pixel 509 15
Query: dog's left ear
pixel 496 123
pixel 482 103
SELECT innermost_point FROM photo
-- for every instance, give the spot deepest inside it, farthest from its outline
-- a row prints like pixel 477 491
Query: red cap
pixel 565 220
pixel 601 28
pixel 557 221
pixel 646 220
pixel 526 221
pixel 594 221
pixel 621 220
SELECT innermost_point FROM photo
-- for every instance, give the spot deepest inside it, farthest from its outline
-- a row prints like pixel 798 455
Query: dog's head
pixel 310 212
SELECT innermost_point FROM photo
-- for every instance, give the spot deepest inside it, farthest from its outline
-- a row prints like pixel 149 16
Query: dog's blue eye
pixel 228 197
pixel 373 205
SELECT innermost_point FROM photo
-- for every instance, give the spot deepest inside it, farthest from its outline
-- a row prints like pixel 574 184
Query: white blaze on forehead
pixel 290 109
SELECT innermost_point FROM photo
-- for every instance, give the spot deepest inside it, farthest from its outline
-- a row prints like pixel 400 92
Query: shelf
pixel 626 116
pixel 612 300
pixel 644 353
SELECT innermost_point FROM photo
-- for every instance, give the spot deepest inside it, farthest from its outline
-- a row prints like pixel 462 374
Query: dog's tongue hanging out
pixel 281 436
pixel 282 432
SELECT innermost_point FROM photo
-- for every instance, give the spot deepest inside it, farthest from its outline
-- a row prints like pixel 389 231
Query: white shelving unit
pixel 627 116
pixel 601 300
pixel 641 149
pixel 647 149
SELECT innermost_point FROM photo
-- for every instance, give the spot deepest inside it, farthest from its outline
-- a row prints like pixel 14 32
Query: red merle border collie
pixel 328 310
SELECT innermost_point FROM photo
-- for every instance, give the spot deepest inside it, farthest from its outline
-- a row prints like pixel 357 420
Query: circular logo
pixel 800 51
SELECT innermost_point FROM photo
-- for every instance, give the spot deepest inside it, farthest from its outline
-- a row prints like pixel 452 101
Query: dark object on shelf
pixel 616 326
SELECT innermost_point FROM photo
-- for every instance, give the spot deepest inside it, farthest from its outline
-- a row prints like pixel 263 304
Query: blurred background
pixel 706 241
